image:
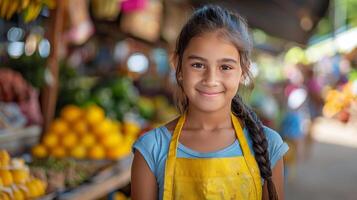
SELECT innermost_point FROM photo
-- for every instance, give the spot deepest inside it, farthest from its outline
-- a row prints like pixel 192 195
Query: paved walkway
pixel 329 174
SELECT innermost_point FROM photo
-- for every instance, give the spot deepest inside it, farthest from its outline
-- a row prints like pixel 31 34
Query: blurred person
pixel 217 148
pixel 292 129
pixel 314 103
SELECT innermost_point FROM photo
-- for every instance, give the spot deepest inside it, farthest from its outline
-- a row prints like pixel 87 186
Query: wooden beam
pixel 50 90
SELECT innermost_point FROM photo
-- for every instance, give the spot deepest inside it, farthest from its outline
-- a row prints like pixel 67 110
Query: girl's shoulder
pixel 271 135
pixel 154 137
pixel 153 146
pixel 159 133
pixel 276 146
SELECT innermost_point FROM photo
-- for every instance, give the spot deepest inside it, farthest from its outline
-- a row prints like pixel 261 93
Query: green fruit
pixel 146 107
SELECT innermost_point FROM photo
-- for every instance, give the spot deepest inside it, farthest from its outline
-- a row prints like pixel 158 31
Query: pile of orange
pixel 87 134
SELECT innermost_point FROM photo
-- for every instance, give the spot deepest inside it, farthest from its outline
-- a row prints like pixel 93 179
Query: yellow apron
pixel 212 178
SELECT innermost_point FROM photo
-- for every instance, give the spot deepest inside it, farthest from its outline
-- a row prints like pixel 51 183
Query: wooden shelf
pixel 105 182
pixel 16 140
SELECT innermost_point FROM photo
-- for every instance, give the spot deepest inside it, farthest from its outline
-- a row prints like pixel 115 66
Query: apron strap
pixel 171 158
pixel 248 156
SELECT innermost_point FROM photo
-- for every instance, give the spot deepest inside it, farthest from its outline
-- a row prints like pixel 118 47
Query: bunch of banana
pixel 30 8
pixel 106 9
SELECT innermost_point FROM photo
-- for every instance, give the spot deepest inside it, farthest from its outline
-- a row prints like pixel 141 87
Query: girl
pixel 217 148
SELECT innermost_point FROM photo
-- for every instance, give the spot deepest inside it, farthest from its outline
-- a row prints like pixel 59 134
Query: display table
pixel 106 181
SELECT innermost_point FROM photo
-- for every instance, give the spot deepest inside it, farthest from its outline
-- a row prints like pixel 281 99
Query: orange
pixel 20 175
pixel 96 152
pixel 103 128
pixel 78 152
pixel 39 151
pixel 131 128
pixel 111 140
pixel 33 191
pixel 129 140
pixel 71 113
pixel 114 153
pixel 116 126
pixel 120 196
pixel 40 186
pixel 58 152
pixel 94 115
pixel 59 126
pixel 4 158
pixel 18 194
pixel 69 140
pixel 6 177
pixel 50 140
pixel 87 140
pixel 80 127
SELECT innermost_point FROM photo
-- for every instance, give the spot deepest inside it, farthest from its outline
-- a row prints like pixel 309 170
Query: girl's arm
pixel 278 179
pixel 143 181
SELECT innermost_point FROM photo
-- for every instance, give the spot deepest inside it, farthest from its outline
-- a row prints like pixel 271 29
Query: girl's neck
pixel 208 121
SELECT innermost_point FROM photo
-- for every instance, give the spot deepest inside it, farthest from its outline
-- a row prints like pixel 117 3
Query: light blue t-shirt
pixel 154 146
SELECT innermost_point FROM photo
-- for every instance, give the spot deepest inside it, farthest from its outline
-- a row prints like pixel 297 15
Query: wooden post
pixel 50 90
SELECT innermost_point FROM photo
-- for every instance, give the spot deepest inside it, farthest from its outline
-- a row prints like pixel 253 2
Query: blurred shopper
pixel 292 129
pixel 315 103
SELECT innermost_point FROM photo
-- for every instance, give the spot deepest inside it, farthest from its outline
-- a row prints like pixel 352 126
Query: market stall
pixel 73 102
pixel 81 80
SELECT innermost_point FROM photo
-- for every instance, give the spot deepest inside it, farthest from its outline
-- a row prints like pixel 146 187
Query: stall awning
pixel 293 20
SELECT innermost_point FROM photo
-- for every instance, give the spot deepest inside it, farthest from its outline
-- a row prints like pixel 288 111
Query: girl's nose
pixel 210 78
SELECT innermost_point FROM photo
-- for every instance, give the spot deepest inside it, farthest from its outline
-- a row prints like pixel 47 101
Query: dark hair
pixel 233 28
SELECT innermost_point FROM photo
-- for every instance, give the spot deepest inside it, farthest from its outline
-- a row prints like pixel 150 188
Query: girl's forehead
pixel 212 44
pixel 214 36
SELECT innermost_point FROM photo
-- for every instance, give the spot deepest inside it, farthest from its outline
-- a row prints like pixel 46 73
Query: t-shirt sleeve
pixel 276 146
pixel 146 145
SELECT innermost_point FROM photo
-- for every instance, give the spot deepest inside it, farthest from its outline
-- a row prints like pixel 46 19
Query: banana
pixel 27 13
pixel 30 8
pixel 12 9
pixel 37 10
pixel 33 10
pixel 25 3
pixel 4 6
pixel 51 4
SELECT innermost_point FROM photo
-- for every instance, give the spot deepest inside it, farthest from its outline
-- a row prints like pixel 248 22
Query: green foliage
pixel 31 67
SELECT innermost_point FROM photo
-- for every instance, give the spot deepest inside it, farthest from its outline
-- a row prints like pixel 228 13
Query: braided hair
pixel 234 28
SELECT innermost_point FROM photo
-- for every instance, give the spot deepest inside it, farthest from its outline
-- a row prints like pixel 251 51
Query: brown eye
pixel 226 67
pixel 198 65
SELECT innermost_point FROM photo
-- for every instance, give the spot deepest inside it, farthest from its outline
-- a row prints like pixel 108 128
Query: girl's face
pixel 211 72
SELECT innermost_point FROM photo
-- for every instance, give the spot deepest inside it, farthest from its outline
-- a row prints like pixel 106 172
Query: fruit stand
pixel 67 126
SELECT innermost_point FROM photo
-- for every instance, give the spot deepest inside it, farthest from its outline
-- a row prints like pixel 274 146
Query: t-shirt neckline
pixel 201 154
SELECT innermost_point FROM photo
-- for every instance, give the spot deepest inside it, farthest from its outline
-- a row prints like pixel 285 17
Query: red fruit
pixel 344 116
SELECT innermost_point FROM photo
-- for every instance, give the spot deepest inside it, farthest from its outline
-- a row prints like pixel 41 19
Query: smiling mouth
pixel 209 94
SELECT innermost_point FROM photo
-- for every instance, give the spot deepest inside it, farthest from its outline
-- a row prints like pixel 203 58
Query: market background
pixel 80 80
